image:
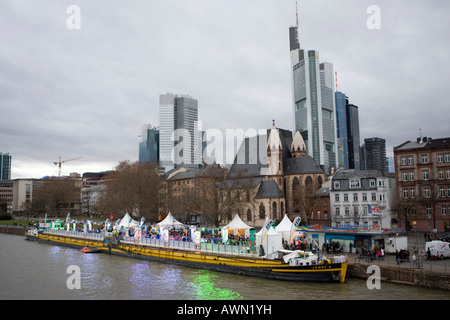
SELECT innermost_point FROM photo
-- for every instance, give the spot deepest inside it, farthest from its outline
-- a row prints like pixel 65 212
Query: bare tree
pixel 305 199
pixel 214 195
pixel 133 188
pixel 56 196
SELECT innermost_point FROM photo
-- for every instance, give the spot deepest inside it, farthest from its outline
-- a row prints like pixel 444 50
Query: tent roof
pixel 127 221
pixel 169 221
pixel 237 223
pixel 284 225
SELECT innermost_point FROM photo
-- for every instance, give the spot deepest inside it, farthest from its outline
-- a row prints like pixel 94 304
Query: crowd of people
pixel 332 247
pixel 377 253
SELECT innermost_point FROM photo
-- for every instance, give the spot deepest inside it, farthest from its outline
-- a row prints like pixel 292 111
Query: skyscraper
pixel 374 154
pixel 347 120
pixel 149 145
pixel 314 109
pixel 179 136
pixel 5 166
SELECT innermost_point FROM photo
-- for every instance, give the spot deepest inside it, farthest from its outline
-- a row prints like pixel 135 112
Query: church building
pixel 276 176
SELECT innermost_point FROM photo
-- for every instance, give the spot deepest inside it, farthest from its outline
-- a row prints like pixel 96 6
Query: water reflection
pixel 205 283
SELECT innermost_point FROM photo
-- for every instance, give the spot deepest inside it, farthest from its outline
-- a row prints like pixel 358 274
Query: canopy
pixel 237 224
pixel 170 221
pixel 271 242
pixel 285 227
pixel 127 222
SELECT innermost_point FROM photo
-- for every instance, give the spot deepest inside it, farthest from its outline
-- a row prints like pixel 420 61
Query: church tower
pixel 274 153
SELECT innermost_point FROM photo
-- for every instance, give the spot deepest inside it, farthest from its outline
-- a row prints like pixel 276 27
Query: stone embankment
pixel 437 278
pixel 13 230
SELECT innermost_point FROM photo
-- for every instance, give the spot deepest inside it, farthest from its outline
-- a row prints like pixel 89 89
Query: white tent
pixel 170 221
pixel 127 222
pixel 237 224
pixel 270 240
pixel 285 227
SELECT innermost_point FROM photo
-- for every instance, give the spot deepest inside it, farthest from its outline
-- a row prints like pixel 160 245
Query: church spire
pixel 298 147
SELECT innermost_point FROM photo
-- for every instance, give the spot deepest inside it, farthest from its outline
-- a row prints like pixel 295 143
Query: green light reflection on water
pixel 205 284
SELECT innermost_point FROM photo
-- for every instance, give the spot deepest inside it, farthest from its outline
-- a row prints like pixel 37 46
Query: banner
pixel 294 226
pixel 267 225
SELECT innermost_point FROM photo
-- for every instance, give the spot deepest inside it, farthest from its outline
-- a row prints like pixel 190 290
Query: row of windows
pixel 356 184
pixel 411 192
pixel 409 175
pixel 373 195
pixel 355 210
pixel 443 209
pixel 424 158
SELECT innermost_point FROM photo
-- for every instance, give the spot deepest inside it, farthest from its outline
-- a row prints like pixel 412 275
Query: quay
pixel 434 274
pixel 11 229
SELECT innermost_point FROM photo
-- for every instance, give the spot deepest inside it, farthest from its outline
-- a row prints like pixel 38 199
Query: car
pixel 445 238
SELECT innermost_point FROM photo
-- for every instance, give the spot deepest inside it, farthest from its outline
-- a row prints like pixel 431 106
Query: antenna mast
pixel 336 80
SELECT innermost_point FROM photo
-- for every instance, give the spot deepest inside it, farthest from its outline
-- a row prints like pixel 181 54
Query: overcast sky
pixel 87 92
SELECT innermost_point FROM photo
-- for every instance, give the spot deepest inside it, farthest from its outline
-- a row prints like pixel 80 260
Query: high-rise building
pixel 347 120
pixel 179 136
pixel 5 166
pixel 149 145
pixel 313 89
pixel 373 154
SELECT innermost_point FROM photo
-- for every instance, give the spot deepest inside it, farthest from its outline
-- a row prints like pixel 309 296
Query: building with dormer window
pixel 362 198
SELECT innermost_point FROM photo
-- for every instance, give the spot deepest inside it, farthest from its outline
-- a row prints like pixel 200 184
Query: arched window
pixel 262 211
pixel 282 209
pixel 295 183
pixel 319 181
pixel 274 210
pixel 249 215
pixel 308 181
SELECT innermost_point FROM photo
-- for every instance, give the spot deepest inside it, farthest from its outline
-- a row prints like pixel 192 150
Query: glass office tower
pixel 313 89
pixel 149 145
pixel 5 166
pixel 347 120
pixel 179 136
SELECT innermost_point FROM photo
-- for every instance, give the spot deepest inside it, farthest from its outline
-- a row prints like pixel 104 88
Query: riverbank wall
pixel 416 277
pixel 20 231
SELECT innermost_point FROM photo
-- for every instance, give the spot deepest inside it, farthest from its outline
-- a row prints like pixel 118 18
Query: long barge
pixel 281 265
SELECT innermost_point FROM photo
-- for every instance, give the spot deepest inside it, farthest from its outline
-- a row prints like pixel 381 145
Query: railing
pixel 76 234
pixel 187 245
pixel 174 244
pixel 436 266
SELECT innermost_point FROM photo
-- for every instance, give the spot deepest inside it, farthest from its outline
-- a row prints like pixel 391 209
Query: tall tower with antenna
pixel 313 97
pixel 293 33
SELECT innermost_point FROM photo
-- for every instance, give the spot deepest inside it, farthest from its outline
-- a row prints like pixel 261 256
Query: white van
pixel 438 249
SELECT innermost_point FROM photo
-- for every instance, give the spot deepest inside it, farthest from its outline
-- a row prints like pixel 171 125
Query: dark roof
pixel 364 176
pixel 242 183
pixel 439 143
pixel 424 143
pixel 268 189
pixel 301 165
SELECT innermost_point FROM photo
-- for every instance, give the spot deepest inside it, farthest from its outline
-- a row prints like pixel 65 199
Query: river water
pixel 31 270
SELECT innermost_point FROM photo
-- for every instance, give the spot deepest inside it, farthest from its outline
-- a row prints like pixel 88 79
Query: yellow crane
pixel 58 163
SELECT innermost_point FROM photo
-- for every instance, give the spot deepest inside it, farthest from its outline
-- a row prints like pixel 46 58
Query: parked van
pixel 438 249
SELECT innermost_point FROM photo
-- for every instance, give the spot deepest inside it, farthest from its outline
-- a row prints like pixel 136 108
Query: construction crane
pixel 58 163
